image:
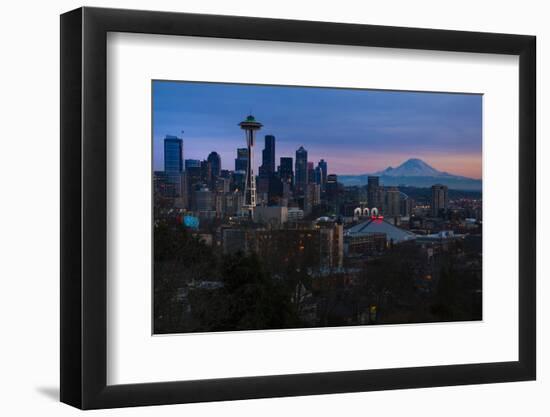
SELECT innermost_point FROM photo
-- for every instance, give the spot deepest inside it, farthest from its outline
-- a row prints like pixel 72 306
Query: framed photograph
pixel 259 208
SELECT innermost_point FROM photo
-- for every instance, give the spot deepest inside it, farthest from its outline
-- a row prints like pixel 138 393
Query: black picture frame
pixel 84 207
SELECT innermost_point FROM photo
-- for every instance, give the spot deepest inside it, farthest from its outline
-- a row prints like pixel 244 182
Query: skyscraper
pixel 301 170
pixel 173 165
pixel 166 185
pixel 312 197
pixel 215 164
pixel 310 173
pixel 268 157
pixel 173 154
pixel 331 188
pixel 250 126
pixel 440 199
pixel 286 172
pixel 242 159
pixel 206 171
pixel 317 175
pixel 203 199
pixel 322 165
pixel 192 163
pixel 373 193
pixel 393 202
pixel 193 175
pixel 407 206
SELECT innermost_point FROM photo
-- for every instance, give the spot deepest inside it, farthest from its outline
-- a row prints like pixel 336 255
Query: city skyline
pixel 264 230
pixel 442 129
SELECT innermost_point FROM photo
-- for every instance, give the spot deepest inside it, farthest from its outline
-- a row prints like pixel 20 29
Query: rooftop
pixel 380 226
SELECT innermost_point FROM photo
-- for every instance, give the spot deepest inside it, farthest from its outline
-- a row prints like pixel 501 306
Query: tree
pixel 178 259
pixel 249 299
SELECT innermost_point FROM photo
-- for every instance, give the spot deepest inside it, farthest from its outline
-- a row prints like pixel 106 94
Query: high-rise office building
pixel 407 206
pixel 233 203
pixel 192 163
pixel 440 199
pixel 215 164
pixel 173 166
pixel 310 173
pixel 286 172
pixel 203 199
pixel 250 127
pixel 268 157
pixel 167 184
pixel 275 190
pixel 331 188
pixel 238 179
pixel 312 197
pixel 323 169
pixel 373 192
pixel 173 154
pixel 193 180
pixel 242 159
pixel 380 198
pixel 301 170
pixel 317 175
pixel 222 185
pixel 206 171
pixel 392 207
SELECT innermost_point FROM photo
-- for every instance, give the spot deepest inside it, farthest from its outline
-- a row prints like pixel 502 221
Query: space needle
pixel 250 126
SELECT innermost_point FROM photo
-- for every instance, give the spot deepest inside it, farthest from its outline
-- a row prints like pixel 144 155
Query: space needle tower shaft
pixel 250 126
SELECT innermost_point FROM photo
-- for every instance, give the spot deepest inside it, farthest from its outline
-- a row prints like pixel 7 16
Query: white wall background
pixel 29 208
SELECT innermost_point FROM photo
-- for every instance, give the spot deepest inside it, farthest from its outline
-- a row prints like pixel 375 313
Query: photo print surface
pixel 284 207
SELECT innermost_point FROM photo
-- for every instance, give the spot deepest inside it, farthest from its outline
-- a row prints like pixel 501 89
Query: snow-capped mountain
pixel 413 168
pixel 415 173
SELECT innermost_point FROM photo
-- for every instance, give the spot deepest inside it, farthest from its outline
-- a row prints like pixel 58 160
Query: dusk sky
pixel 355 131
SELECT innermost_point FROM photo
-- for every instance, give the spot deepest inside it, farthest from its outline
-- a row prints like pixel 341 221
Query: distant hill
pixel 414 173
pixel 424 195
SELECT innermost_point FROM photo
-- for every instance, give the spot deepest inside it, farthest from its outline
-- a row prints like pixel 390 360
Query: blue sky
pixel 355 131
